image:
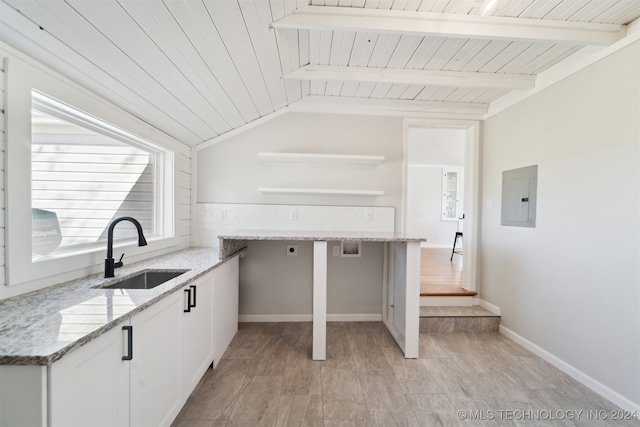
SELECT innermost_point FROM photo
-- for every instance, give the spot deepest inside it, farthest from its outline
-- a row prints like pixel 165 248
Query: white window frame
pixel 23 78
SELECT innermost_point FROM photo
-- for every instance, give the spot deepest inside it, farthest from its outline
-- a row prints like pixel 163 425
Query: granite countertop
pixel 40 327
pixel 330 236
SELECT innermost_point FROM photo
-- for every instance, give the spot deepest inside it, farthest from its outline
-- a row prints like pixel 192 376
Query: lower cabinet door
pixel 155 378
pixel 196 335
pixel 90 386
pixel 225 306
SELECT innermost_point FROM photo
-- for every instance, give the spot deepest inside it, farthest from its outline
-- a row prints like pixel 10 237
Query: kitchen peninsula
pixel 401 278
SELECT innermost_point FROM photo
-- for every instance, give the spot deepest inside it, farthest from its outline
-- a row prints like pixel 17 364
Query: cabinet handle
pixel 194 296
pixel 129 355
pixel 188 309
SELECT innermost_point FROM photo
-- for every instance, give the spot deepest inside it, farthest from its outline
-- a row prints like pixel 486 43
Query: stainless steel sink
pixel 145 280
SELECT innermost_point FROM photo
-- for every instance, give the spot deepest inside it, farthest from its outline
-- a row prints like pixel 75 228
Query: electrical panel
pixel 519 188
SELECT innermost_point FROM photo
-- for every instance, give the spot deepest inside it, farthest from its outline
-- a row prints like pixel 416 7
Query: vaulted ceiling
pixel 199 69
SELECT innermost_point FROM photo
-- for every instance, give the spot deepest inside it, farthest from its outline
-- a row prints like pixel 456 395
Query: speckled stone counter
pixel 38 328
pixel 327 236
pixel 231 243
pixel 403 327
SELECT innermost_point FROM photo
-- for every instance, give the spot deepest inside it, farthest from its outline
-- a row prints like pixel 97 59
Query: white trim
pixel 193 238
pixel 446 301
pixel 471 188
pixel 571 65
pixel 449 25
pixel 354 317
pixel 314 72
pixel 245 318
pixel 488 306
pixel 265 318
pixel 390 107
pixel 573 372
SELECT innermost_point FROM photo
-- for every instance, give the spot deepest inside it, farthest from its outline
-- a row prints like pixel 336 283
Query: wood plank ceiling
pixel 198 69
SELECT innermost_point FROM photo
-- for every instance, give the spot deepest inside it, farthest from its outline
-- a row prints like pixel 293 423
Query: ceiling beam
pixel 390 107
pixel 417 77
pixel 450 25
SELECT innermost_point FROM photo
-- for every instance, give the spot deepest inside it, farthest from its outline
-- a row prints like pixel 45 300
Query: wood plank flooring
pixel 440 276
pixel 266 378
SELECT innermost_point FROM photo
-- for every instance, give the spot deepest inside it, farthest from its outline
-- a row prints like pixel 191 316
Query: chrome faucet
pixel 109 264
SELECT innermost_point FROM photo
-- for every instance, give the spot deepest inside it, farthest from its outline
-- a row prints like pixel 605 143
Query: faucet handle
pixel 119 263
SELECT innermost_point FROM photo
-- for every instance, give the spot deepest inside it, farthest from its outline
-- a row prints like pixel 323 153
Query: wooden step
pixel 446 320
pixel 446 291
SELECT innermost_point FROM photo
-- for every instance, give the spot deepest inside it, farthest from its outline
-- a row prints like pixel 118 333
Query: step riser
pixel 450 301
pixel 449 325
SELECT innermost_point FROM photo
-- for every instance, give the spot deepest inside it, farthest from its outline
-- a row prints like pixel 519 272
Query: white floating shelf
pixel 354 159
pixel 325 191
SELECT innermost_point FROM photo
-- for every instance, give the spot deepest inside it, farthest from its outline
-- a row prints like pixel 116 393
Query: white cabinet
pixel 170 350
pixel 94 386
pixel 196 336
pixel 155 366
pixel 225 306
pixel 90 386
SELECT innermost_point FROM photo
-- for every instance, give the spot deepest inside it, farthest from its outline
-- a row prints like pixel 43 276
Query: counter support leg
pixel 412 321
pixel 319 351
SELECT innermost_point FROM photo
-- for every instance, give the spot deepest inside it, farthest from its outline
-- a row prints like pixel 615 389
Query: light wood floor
pixel 439 275
pixel 266 378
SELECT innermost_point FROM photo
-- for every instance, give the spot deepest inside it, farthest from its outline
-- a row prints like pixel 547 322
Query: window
pixel 67 153
pixel 451 194
pixel 84 174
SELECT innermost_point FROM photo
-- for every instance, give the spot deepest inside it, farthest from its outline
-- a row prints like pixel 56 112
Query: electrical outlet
pixel 293 215
pixel 223 214
pixel 336 251
pixel 292 250
pixel 368 215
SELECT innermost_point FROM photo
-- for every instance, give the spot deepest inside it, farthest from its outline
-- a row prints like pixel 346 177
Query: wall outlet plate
pixel 336 250
pixel 292 250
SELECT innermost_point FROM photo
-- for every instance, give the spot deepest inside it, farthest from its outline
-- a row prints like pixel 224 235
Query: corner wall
pixel 571 286
pixel 231 172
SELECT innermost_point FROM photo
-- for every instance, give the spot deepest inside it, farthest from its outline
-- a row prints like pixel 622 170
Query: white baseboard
pixel 354 317
pixel 243 318
pixel 573 372
pixel 246 318
pixel 444 301
pixel 488 306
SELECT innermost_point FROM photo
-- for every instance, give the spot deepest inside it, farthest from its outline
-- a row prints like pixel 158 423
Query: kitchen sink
pixel 145 280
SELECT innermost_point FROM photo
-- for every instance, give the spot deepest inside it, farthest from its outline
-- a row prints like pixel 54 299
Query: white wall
pixel 436 146
pixel 231 172
pixel 429 150
pixel 276 286
pixel 571 286
pixel 424 207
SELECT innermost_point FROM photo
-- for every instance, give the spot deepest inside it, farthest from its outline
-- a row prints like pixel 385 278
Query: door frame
pixel 471 187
